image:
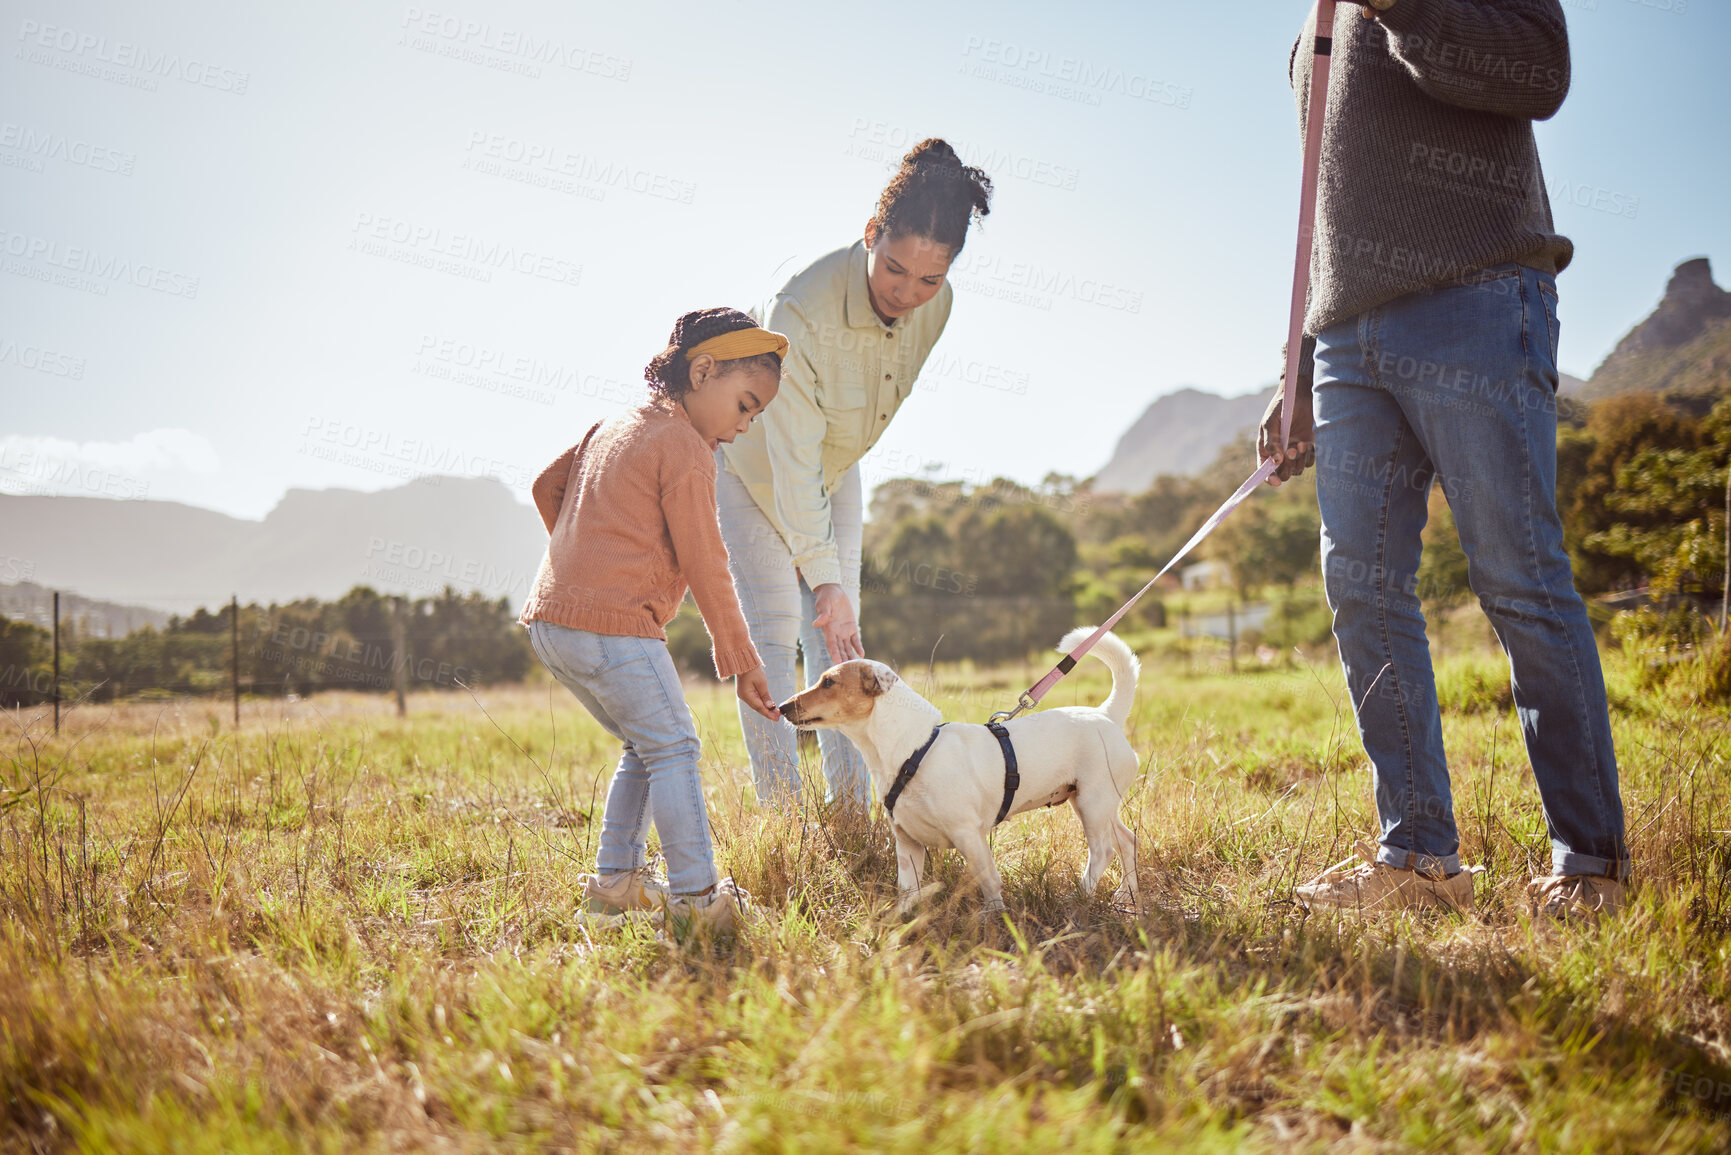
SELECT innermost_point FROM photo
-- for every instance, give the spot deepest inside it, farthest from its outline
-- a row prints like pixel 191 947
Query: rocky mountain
pixel 468 533
pixel 1180 434
pixel 1683 346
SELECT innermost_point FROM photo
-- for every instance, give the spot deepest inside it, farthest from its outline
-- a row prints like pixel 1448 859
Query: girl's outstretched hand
pixel 753 689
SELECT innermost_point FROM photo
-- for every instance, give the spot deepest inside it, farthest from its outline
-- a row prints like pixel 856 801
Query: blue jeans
pixel 632 688
pixel 1457 385
pixel 779 608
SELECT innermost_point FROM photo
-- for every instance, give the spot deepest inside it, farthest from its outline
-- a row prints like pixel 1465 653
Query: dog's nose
pixel 786 706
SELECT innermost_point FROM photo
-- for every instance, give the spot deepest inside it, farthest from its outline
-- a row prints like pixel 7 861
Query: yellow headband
pixel 739 343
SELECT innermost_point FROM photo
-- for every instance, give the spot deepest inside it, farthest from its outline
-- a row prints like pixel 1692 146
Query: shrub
pixel 1657 639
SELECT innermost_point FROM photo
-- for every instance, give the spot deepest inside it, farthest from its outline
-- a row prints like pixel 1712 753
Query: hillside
pixel 469 533
pixel 1683 346
pixel 28 602
pixel 1180 434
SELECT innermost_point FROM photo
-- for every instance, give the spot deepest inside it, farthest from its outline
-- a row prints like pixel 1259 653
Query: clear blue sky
pixel 357 227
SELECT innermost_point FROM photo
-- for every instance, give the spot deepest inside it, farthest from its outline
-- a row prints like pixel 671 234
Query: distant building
pixel 1206 575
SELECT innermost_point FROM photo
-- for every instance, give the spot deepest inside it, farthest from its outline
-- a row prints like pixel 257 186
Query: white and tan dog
pixel 1074 754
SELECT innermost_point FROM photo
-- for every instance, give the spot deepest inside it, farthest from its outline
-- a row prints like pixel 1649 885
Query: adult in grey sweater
pixel 1432 171
pixel 1432 325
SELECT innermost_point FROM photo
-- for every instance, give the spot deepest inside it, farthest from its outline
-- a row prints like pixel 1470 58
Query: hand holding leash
pixel 1300 452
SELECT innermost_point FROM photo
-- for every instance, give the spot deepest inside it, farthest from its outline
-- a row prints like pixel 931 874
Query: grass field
pixel 334 929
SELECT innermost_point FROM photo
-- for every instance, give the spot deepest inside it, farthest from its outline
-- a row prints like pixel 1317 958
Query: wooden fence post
pixel 399 656
pixel 234 640
pixel 56 661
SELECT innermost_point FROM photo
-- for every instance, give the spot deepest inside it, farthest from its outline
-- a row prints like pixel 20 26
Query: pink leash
pixel 1294 339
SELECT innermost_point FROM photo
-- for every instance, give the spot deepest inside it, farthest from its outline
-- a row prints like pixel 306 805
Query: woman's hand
pixel 835 618
pixel 752 687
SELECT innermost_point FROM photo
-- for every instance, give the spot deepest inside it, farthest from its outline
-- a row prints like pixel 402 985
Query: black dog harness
pixel 908 770
pixel 1012 779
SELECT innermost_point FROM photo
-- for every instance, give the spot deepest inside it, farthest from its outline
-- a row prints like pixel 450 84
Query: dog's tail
pixel 1120 659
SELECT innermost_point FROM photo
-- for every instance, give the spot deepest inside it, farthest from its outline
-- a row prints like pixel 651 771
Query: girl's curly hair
pixel 669 373
pixel 933 195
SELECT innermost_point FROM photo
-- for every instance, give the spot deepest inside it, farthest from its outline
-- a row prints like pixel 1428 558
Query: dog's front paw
pixel 991 908
pixel 908 900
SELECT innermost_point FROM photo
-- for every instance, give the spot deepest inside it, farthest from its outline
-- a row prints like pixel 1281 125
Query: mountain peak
pixel 1692 284
pixel 1680 345
pixel 1180 434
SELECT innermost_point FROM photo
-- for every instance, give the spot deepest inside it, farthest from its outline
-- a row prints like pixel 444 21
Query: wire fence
pixel 364 641
pixel 385 644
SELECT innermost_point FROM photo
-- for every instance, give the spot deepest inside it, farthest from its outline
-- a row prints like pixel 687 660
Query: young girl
pixel 630 511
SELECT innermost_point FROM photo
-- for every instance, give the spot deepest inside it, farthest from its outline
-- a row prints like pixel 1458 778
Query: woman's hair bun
pixel 932 151
pixel 933 195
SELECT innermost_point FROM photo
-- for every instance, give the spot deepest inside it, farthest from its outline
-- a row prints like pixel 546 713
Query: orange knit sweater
pixel 630 513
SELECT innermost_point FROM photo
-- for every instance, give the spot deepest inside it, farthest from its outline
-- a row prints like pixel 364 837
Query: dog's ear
pixel 873 682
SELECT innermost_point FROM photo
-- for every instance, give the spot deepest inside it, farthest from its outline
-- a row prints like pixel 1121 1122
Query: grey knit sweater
pixel 1429 168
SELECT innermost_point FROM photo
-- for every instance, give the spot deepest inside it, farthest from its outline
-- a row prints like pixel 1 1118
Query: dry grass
pixel 338 930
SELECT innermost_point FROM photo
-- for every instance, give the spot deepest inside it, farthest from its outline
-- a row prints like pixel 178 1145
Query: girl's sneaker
pixel 719 911
pixel 626 891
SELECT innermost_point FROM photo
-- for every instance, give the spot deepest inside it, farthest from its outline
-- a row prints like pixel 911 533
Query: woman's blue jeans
pixel 1457 386
pixel 632 688
pixel 779 608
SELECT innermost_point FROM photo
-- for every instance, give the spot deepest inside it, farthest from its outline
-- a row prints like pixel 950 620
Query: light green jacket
pixel 845 375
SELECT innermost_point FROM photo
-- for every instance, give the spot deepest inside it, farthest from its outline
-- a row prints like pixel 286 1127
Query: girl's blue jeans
pixel 631 687
pixel 1457 386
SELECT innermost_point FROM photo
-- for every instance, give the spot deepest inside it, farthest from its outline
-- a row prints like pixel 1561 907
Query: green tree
pixel 981 572
pixel 1018 551
pixel 1590 466
pixel 1274 538
pixel 25 658
pixel 1668 507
